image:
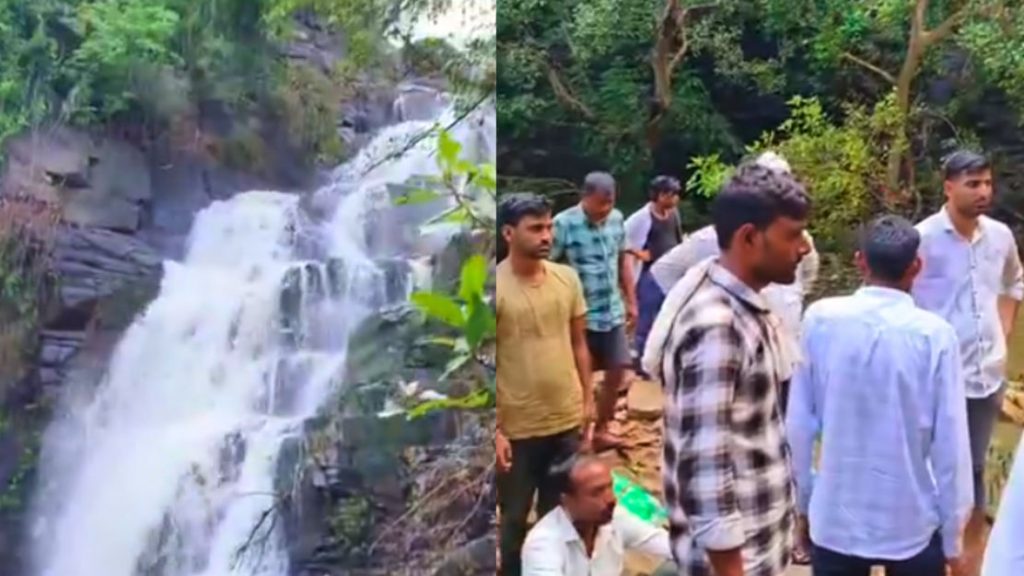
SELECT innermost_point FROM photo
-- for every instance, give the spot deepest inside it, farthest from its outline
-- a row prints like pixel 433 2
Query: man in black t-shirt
pixel 650 233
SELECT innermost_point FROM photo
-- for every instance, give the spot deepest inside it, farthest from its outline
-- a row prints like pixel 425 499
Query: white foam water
pixel 169 469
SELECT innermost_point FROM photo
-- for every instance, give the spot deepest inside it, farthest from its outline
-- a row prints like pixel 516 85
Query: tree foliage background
pixel 863 97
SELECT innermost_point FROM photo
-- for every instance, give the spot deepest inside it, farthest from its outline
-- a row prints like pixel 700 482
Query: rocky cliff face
pixel 123 210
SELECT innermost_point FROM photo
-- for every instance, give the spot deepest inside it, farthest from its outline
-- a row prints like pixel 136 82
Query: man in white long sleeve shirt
pixel 588 534
pixel 881 384
pixel 973 278
pixel 1004 555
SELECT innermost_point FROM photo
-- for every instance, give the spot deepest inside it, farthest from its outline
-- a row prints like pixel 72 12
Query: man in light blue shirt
pixel 973 278
pixel 881 385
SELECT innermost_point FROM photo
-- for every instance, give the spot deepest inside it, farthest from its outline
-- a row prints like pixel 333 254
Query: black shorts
pixel 609 349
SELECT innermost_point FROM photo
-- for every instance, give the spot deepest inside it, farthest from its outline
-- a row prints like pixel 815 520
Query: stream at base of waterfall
pixel 168 468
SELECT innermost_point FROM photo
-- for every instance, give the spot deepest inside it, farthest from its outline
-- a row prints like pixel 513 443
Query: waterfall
pixel 168 469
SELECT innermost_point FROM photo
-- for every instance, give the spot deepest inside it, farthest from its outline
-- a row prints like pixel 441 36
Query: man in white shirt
pixel 972 278
pixel 1004 555
pixel 881 384
pixel 588 534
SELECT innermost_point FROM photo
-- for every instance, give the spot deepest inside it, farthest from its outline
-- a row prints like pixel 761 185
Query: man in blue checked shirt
pixel 881 384
pixel 591 238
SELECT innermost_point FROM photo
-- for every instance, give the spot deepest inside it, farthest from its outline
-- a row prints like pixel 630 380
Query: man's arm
pixel 701 485
pixel 642 536
pixel 1013 289
pixel 626 279
pixel 803 423
pixel 581 352
pixel 950 451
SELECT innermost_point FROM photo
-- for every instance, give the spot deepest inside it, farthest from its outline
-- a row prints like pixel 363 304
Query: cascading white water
pixel 169 470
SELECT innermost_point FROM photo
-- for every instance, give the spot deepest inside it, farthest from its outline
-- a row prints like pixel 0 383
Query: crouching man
pixel 587 535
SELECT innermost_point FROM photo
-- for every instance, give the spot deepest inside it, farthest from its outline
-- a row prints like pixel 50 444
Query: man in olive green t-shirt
pixel 545 402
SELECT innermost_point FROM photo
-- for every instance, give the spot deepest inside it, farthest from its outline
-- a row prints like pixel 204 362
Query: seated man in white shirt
pixel 1004 555
pixel 587 535
pixel 881 384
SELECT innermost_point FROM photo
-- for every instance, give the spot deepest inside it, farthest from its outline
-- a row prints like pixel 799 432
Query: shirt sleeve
pixel 636 231
pixel 673 265
pixel 542 556
pixel 803 419
pixel 1013 275
pixel 950 452
pixel 700 474
pixel 558 241
pixel 642 536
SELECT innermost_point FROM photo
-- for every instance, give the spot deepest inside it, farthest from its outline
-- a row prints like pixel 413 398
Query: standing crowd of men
pixel 848 435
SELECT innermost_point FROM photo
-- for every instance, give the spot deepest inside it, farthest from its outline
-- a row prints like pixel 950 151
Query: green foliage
pixel 579 73
pixel 310 107
pixel 118 38
pixel 998 45
pixel 841 164
pixel 467 313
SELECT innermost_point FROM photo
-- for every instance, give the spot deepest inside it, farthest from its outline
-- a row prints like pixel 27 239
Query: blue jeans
pixel 928 562
pixel 649 299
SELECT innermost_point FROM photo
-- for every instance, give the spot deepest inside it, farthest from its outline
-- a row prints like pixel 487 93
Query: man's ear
pixel 914 269
pixel 745 234
pixel 861 262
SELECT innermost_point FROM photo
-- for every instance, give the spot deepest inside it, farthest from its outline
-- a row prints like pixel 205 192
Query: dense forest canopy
pixel 145 64
pixel 863 97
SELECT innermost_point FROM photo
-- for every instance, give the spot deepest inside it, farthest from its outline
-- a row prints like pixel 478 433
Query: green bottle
pixel 638 501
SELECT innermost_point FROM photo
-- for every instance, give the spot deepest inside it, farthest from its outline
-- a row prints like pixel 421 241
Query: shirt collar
pixel 884 293
pixel 568 529
pixel 733 285
pixel 947 223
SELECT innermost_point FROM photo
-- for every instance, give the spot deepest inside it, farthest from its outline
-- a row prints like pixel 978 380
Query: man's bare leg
pixel 607 398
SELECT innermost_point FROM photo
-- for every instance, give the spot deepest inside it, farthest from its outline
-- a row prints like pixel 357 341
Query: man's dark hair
pixel 757 195
pixel 964 162
pixel 663 185
pixel 889 244
pixel 513 207
pixel 598 183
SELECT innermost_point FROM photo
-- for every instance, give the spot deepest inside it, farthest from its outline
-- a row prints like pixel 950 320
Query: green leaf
pixel 448 149
pixel 419 196
pixel 481 324
pixel 477 399
pixel 439 307
pixel 454 365
pixel 474 278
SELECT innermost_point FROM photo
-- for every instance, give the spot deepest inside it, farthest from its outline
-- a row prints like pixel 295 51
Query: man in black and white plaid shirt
pixel 726 466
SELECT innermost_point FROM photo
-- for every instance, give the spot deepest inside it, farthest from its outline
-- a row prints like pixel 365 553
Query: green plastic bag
pixel 637 500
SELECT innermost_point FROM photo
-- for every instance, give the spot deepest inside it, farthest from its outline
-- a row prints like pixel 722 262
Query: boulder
pixel 99 182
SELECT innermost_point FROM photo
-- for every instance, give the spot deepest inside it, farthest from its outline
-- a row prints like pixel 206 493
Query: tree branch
pixel 943 30
pixel 563 93
pixel 869 66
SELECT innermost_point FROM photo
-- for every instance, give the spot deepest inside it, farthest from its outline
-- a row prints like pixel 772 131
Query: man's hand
pixel 642 255
pixel 631 314
pixel 589 419
pixel 957 567
pixel 502 452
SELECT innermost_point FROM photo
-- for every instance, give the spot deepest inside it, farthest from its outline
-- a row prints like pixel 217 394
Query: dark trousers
pixel 929 562
pixel 532 459
pixel 649 299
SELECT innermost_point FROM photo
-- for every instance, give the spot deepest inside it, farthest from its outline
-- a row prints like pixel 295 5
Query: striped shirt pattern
pixel 726 464
pixel 593 251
